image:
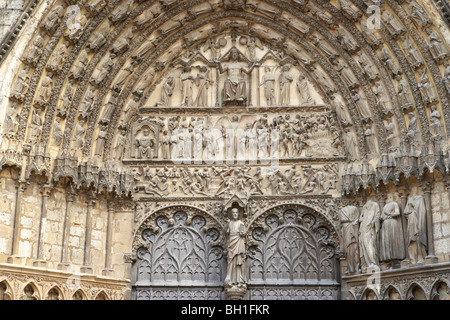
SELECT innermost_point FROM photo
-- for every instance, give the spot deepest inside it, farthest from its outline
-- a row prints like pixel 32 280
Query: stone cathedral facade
pixel 225 149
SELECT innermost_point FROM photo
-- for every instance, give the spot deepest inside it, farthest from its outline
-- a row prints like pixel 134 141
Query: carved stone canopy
pixel 235 202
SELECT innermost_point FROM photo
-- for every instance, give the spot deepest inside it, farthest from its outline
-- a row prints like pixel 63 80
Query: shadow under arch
pixel 416 292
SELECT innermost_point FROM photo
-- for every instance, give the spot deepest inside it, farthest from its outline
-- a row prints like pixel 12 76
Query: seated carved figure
pixel 145 145
pixel 235 87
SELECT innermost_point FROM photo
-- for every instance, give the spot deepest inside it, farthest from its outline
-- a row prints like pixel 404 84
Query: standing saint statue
pixel 392 247
pixel 236 257
pixel 285 85
pixel 202 81
pixel 268 80
pixel 349 221
pixel 416 235
pixel 368 234
pixel 235 87
pixel 186 80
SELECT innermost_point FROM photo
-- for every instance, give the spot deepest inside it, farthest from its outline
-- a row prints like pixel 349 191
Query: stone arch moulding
pixel 290 246
pixel 179 254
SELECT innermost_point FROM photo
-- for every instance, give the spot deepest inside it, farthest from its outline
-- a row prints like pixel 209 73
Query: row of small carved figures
pixel 238 179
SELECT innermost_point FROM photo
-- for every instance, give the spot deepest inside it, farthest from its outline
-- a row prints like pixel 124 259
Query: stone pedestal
pixel 17 260
pixel 107 272
pixel 64 266
pixel 431 259
pixel 235 292
pixel 86 269
pixel 40 264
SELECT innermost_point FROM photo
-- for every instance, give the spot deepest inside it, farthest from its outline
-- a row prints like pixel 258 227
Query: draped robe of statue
pixel 368 234
pixel 391 234
pixel 416 229
pixel 349 221
pixel 236 257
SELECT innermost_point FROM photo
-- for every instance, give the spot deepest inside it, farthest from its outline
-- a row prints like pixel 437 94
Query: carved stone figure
pixel 202 81
pixel 412 54
pixel 341 111
pixel 79 66
pixel 110 107
pixel 285 85
pixel 35 126
pixel 368 69
pixel 372 37
pixel 121 146
pixel 391 138
pixel 412 135
pixel 351 144
pixel 57 131
pixel 45 90
pixel 372 146
pixel 268 81
pixel 123 76
pixel 34 52
pixel 349 220
pixel 87 104
pixel 361 106
pixel 348 77
pixel 435 123
pixel 123 41
pixel 121 11
pixel 303 89
pixel 437 45
pixel 392 247
pixel 104 69
pixel 21 85
pixel 426 88
pixel 389 61
pixel 381 98
pixel 79 135
pixel 237 254
pixel 58 58
pixel 323 45
pixel 187 81
pixel 446 78
pixel 145 145
pixel 418 14
pixel 416 235
pixel 235 87
pixel 350 9
pixel 11 121
pixel 98 39
pixel 393 24
pixel 215 46
pixel 346 39
pixel 76 26
pixel 100 141
pixel 166 92
pixel 403 93
pixel 53 18
pixel 368 234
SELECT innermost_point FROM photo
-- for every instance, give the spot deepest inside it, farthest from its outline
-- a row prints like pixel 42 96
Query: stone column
pixel 40 256
pixel 64 265
pixel 86 268
pixel 258 88
pixel 430 258
pixel 14 257
pixel 403 193
pixel 107 271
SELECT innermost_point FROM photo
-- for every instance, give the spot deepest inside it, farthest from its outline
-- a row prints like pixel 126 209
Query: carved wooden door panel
pixel 179 261
pixel 293 258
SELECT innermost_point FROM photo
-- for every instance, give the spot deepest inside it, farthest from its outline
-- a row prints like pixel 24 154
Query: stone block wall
pixel 10 11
